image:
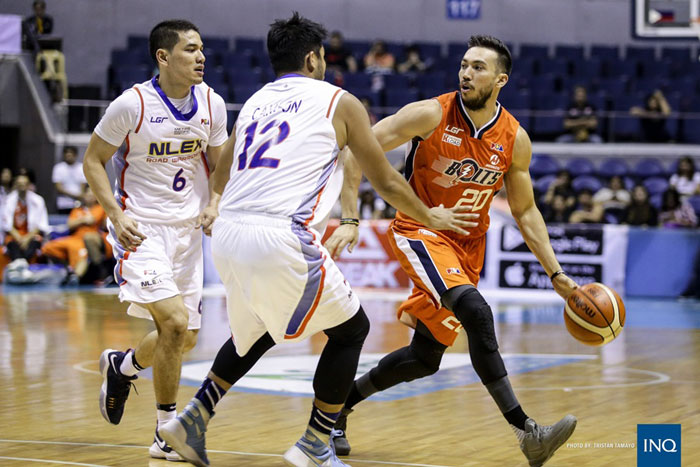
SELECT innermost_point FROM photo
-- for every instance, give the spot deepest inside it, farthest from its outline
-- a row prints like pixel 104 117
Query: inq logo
pixel 658 445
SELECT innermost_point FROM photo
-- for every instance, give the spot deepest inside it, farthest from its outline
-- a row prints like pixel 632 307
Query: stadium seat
pixel 586 182
pixel 533 51
pixel 614 86
pixel 644 54
pixel 617 68
pixel 695 203
pixel 580 166
pixel 239 77
pixel 542 183
pixel 655 185
pixel 253 47
pixel 238 60
pixel 430 50
pixel 588 70
pixel 396 81
pixel 648 167
pixel 554 66
pixel 357 80
pixel 242 93
pixel 677 54
pixel 605 52
pixel 542 165
pixel 456 49
pixel 613 166
pixel 128 76
pixel 569 52
pixel 137 43
pixel 358 48
pixel 656 200
pixel 218 44
pixel 431 79
pixel 126 58
pixel 400 97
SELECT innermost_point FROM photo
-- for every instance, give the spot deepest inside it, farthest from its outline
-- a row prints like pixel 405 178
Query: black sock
pixel 210 394
pixel 516 417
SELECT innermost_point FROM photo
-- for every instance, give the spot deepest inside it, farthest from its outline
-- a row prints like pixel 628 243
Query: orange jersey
pixel 459 164
pixel 97 213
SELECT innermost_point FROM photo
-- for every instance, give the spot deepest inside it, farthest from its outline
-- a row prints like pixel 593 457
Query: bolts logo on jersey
pixel 169 148
pixel 454 172
pixel 495 160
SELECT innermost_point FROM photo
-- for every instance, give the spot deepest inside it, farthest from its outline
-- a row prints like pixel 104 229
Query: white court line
pixel 660 379
pixel 239 453
pixel 49 461
pixel 79 367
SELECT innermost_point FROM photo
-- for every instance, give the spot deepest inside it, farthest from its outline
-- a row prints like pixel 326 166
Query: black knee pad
pixel 352 332
pixel 428 352
pixel 475 314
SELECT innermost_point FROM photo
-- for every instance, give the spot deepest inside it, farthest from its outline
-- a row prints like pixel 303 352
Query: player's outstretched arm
pixel 522 205
pixel 347 234
pixel 415 119
pixel 96 156
pixel 217 183
pixel 352 128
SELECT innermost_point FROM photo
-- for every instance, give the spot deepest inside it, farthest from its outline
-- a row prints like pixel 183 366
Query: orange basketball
pixel 594 314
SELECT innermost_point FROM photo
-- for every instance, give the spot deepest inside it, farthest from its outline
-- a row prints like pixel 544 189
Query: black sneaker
pixel 115 387
pixel 339 439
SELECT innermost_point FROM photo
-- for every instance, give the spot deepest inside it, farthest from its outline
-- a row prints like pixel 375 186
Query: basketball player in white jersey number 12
pixel 171 130
pixel 281 283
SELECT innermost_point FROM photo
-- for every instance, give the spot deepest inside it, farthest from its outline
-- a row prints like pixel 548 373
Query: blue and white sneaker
pixel 160 450
pixel 115 386
pixel 310 451
pixel 185 434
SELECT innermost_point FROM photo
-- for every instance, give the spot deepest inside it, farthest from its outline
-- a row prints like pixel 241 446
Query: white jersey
pixel 161 168
pixel 286 155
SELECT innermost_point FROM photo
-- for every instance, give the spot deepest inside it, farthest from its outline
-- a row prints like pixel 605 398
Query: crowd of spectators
pixel 75 244
pixel 616 204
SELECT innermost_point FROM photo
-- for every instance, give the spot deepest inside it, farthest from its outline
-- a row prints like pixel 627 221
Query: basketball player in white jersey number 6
pixel 283 174
pixel 171 130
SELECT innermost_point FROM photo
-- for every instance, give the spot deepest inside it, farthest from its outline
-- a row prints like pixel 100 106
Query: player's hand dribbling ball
pixel 594 314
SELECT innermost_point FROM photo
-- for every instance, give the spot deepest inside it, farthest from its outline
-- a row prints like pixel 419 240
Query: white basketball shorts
pixel 278 279
pixel 166 264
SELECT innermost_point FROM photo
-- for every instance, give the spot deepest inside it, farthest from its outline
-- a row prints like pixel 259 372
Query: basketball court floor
pixel 50 340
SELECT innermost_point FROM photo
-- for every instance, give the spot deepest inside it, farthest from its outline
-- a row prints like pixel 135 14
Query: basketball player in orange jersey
pixel 464 147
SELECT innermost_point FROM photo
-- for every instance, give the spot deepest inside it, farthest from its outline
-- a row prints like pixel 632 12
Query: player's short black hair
pixel 290 40
pixel 165 35
pixel 505 60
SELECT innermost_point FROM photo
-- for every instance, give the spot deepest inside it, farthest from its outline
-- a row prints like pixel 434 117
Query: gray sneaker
pixel 310 451
pixel 339 438
pixel 541 441
pixel 185 434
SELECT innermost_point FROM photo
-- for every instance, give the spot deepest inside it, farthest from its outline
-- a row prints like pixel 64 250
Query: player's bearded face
pixel 477 77
pixel 476 100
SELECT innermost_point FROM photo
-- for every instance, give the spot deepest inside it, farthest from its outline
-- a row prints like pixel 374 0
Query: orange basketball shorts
pixel 435 263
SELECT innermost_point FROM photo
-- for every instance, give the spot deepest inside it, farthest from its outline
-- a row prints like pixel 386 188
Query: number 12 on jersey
pixel 251 135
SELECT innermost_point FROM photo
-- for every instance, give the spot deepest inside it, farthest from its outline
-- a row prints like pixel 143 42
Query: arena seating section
pixel 542 80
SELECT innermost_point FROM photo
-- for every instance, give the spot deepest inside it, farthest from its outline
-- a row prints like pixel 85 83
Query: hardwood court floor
pixel 50 341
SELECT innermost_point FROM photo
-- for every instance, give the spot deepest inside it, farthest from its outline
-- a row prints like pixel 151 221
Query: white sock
pixel 164 416
pixel 127 368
